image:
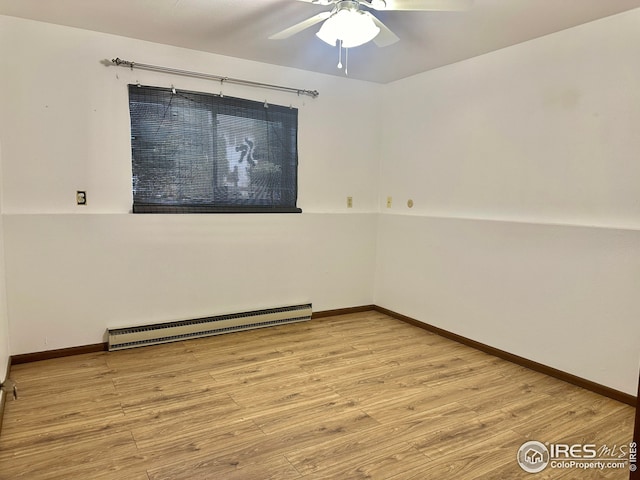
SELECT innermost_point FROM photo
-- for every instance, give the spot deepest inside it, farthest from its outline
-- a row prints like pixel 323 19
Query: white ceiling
pixel 240 28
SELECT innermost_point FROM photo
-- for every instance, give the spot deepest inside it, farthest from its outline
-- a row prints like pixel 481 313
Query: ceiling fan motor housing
pixel 347 5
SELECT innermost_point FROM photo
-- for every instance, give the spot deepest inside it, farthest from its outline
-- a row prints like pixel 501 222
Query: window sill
pixel 147 208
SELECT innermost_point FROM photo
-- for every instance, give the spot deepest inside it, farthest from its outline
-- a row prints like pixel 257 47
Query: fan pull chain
pixel 346 58
pixel 346 61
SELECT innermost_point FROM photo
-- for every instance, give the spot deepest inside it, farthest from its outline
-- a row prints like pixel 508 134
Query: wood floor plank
pixel 491 393
pixel 562 419
pixel 275 445
pixel 161 391
pixel 65 457
pixel 400 404
pixel 259 468
pixel 232 357
pixel 87 364
pixel 352 450
pixel 256 374
pixel 352 396
pixel 171 445
pixel 167 357
pixel 33 433
pixel 473 459
pixel 274 420
pixel 394 459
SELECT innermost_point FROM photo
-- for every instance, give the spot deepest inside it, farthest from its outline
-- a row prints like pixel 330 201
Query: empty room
pixel 300 239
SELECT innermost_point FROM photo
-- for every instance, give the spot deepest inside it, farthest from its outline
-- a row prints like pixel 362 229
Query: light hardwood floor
pixel 347 397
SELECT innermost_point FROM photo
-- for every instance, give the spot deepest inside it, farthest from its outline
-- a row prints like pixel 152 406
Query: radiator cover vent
pixel 130 337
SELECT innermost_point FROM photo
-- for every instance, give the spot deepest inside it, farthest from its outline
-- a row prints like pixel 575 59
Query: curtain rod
pixel 124 63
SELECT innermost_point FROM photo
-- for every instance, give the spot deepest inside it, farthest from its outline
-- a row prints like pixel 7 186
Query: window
pixel 202 153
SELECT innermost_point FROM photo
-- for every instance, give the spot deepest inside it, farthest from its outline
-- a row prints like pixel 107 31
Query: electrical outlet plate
pixel 389 199
pixel 81 197
pixel 349 202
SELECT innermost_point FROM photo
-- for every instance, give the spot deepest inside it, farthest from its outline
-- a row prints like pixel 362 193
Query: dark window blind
pixel 201 153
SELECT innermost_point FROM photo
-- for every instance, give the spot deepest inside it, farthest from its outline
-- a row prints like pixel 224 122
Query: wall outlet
pixel 389 199
pixel 349 202
pixel 81 197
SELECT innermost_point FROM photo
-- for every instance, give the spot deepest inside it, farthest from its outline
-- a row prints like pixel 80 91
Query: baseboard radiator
pixel 130 337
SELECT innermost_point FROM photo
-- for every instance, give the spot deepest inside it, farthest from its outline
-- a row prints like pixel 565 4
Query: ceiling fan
pixel 348 25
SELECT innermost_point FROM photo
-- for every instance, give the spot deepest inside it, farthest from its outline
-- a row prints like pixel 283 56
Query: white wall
pixel 71 276
pixel 523 166
pixel 73 271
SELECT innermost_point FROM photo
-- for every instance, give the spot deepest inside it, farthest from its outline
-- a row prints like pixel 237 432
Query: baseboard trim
pixel 58 353
pixel 343 311
pixel 518 360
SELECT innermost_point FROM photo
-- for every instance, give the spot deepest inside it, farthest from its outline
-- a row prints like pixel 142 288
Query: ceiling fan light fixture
pixel 328 33
pixel 353 27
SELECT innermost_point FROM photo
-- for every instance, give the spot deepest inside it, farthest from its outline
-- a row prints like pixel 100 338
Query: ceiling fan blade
pixel 298 27
pixel 423 5
pixel 385 37
pixel 319 2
